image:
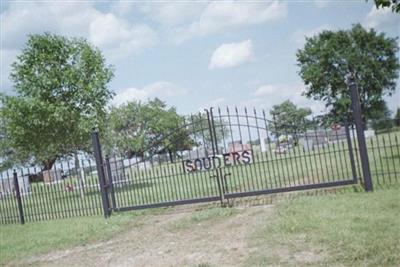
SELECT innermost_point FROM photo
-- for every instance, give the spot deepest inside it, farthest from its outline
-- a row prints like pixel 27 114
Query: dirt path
pixel 173 239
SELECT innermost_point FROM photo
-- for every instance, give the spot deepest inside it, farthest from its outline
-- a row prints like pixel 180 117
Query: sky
pixel 194 54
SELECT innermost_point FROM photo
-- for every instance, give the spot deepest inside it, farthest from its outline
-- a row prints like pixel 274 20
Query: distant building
pixel 195 154
pixel 238 146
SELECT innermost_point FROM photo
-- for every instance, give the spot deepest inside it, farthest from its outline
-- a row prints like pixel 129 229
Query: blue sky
pixel 194 54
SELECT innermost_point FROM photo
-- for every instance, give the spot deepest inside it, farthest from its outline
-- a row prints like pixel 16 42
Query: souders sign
pixel 244 157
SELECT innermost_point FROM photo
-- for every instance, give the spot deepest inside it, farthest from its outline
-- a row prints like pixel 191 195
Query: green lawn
pixel 342 229
pixel 19 241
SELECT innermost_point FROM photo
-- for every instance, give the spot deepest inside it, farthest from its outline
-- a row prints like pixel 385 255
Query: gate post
pixel 100 173
pixel 356 107
pixel 18 196
pixel 110 180
pixel 351 154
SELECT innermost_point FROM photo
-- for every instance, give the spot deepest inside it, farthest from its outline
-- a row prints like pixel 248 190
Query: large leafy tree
pixel 200 127
pixel 369 58
pixel 139 129
pixel 287 118
pixel 61 94
pixel 397 117
pixel 382 120
pixel 394 4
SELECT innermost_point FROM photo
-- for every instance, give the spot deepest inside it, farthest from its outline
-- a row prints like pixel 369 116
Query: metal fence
pixel 67 190
pixel 236 154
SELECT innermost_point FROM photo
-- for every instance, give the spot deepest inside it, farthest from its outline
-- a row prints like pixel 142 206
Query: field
pixel 169 182
pixel 342 227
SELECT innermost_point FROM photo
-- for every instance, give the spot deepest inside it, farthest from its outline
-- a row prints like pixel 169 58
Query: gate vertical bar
pixel 110 180
pixel 18 196
pixel 356 106
pixel 351 153
pixel 212 137
pixel 220 176
pixel 100 173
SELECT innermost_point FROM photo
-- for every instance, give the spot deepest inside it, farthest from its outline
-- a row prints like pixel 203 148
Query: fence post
pixel 100 173
pixel 356 107
pixel 351 153
pixel 18 196
pixel 110 180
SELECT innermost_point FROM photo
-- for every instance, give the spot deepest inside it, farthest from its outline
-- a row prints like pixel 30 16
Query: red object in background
pixel 336 126
pixel 69 188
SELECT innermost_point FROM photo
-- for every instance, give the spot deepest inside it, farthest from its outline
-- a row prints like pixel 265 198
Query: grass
pixel 20 241
pixel 344 229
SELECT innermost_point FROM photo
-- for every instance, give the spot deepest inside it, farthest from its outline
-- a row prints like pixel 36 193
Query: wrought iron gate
pixel 231 154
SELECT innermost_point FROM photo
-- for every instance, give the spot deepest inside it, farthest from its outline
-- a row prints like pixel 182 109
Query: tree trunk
pixel 48 164
pixel 171 157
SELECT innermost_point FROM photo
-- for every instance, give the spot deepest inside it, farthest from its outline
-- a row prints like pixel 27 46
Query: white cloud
pixel 300 36
pixel 172 13
pixel 219 16
pixel 68 18
pixel 118 37
pixel 382 18
pixel 267 89
pixel 123 8
pixel 231 55
pixel 161 89
pixel 265 96
pixel 79 19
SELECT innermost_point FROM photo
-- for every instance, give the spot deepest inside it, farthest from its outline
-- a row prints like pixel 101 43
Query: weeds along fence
pixel 70 189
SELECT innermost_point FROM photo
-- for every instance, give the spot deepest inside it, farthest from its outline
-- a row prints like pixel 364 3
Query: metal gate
pixel 231 154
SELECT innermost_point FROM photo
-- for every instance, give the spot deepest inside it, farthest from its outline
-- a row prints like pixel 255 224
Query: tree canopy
pixel 329 58
pixel 201 130
pixel 136 128
pixel 393 4
pixel 382 119
pixel 397 117
pixel 61 94
pixel 287 117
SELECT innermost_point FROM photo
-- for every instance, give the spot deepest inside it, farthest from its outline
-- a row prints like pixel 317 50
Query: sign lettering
pixel 244 157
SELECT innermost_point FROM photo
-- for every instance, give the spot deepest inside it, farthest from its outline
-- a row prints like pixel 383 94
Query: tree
pixel 382 120
pixel 394 4
pixel 201 130
pixel 397 118
pixel 61 94
pixel 5 150
pixel 330 58
pixel 138 128
pixel 287 119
